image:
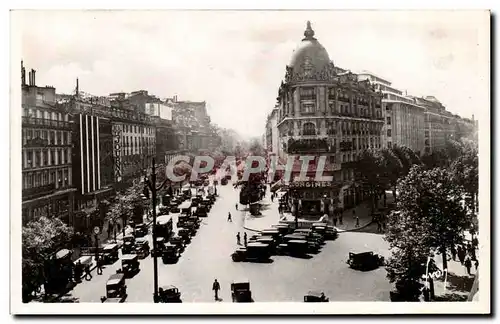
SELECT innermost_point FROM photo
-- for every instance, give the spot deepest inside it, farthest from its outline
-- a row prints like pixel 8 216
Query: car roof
pixel 256 244
pixel 297 241
pixel 109 246
pixel 168 287
pixel 141 240
pixel 62 253
pixel 129 256
pixel 314 293
pixel 115 278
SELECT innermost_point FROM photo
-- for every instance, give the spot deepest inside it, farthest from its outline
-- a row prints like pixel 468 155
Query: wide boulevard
pixel 207 258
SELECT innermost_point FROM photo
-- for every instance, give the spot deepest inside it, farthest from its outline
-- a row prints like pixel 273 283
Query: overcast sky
pixel 236 60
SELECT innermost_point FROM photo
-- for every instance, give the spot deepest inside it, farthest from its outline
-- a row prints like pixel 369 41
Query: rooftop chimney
pixel 473 117
pixel 23 74
pixel 77 88
pixel 34 79
pixel 30 79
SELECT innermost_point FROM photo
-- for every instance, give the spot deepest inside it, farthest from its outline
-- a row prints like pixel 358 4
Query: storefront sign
pixel 311 184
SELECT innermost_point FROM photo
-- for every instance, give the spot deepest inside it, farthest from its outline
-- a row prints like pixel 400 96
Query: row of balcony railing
pixel 31 121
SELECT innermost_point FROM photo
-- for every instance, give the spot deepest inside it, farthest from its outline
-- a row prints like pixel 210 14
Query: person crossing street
pixel 245 239
pixel 238 238
pixel 216 288
pixel 229 219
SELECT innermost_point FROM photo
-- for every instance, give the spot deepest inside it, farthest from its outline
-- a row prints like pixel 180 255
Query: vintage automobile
pixel 268 240
pixel 164 210
pixel 310 235
pixel 181 220
pixel 140 230
pixel 206 204
pixel 110 253
pixel 313 244
pixel 116 290
pixel 186 211
pixel 187 193
pixel 331 233
pixel 130 264
pixel 240 292
pixel 178 242
pixel 365 261
pixel 170 254
pixel 294 247
pixel 223 181
pixel 283 229
pixel 206 183
pixel 191 226
pixel 212 198
pixel 254 251
pixel 128 244
pixel 196 221
pixel 273 232
pixel 174 207
pixel 169 294
pixel 316 297
pixel 201 211
pixel 160 247
pixel 319 228
pixel 142 248
pixel 185 233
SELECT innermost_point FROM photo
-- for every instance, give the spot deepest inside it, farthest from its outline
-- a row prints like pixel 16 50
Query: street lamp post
pixel 151 185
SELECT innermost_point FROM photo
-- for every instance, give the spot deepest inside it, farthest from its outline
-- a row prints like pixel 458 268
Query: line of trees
pixel 436 202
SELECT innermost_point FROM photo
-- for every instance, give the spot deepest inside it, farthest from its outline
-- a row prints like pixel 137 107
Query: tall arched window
pixel 309 129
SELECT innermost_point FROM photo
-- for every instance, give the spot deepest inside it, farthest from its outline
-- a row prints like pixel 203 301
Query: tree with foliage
pixel 41 238
pixel 409 253
pixel 433 196
pixel 368 172
pixel 391 169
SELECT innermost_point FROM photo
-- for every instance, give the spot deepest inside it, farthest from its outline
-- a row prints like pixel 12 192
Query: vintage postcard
pixel 250 162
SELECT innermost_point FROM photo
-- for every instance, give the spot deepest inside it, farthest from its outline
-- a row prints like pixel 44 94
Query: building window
pixel 45 157
pixel 309 129
pixel 65 138
pixel 59 157
pixel 52 157
pixel 52 138
pixel 389 144
pixel 307 108
pixel 388 120
pixel 426 133
pixel 388 133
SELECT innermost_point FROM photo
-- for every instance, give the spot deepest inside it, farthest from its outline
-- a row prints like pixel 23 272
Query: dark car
pixel 160 247
pixel 223 181
pixel 169 294
pixel 365 261
pixel 140 230
pixel 170 254
pixel 178 242
pixel 116 290
pixel 316 297
pixel 142 248
pixel 130 264
pixel 253 252
pixel 185 233
pixel 110 253
pixel 240 292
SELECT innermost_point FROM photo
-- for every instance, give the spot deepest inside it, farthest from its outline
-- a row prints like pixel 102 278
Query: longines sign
pixel 311 184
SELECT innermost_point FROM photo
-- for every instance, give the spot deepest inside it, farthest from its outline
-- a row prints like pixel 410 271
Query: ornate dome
pixel 309 56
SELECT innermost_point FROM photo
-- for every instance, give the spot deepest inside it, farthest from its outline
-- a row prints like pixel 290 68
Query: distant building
pixel 272 133
pixel 404 118
pixel 47 188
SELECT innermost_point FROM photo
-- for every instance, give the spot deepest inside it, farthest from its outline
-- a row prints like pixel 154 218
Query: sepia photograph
pixel 250 162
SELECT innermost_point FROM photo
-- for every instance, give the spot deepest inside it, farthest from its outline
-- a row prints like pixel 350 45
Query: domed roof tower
pixel 309 56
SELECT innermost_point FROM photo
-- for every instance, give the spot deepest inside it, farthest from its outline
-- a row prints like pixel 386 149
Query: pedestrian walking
pixel 245 239
pixel 476 264
pixel 468 265
pixel 88 275
pixel 379 226
pixel 357 221
pixel 453 252
pixel 238 241
pixel 272 197
pixel 99 263
pixel 216 288
pixel 475 243
pixel 236 206
pixel 341 221
pixel 335 221
pixel 461 254
pixel 229 219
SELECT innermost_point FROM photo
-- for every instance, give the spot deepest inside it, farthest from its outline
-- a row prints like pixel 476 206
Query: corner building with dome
pixel 323 110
